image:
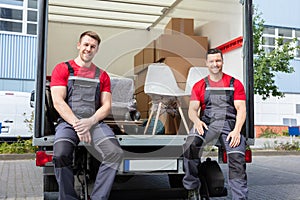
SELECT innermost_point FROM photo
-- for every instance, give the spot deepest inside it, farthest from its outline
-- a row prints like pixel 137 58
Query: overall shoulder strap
pixel 231 82
pixel 70 68
pixel 97 74
pixel 206 81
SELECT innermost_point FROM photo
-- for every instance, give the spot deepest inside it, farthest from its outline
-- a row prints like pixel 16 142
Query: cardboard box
pixel 139 80
pixel 180 26
pixel 180 66
pixel 149 53
pixel 144 57
pixel 144 114
pixel 171 123
pixel 138 62
pixel 185 102
pixel 181 85
pixel 143 102
pixel 180 45
pixel 138 59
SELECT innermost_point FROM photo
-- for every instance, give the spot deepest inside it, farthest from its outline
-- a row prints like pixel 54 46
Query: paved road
pixel 20 179
pixel 273 178
pixel 270 178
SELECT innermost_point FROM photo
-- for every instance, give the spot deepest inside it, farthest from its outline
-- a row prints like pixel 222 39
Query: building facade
pixel 280 113
pixel 18 44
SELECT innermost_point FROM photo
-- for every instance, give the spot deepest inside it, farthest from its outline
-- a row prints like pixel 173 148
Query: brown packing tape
pixel 181 25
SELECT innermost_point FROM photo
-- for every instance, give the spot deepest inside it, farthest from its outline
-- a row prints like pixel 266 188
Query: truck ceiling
pixel 141 14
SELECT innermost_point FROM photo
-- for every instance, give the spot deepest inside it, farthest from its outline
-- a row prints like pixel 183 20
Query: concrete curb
pixel 273 153
pixel 26 156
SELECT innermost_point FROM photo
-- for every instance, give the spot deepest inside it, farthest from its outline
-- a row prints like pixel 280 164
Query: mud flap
pixel 212 179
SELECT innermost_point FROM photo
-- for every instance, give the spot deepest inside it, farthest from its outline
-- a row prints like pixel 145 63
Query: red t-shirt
pixel 60 75
pixel 198 91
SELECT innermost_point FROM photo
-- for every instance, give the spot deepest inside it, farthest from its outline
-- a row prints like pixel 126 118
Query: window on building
pixel 8 13
pixel 270 34
pixel 32 4
pixel 12 2
pixel 297 108
pixel 284 32
pixel 269 30
pixel 289 122
pixel 269 41
pixel 297 35
pixel 18 16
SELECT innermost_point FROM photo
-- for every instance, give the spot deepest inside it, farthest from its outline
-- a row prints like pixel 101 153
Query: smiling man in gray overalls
pixel 81 94
pixel 221 101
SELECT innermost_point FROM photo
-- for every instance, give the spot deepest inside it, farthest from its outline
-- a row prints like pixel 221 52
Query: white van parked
pixel 16 115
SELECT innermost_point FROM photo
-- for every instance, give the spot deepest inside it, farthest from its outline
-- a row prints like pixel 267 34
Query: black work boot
pixel 194 194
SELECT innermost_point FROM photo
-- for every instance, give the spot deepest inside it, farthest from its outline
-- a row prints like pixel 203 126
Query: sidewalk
pixel 266 146
pixel 271 143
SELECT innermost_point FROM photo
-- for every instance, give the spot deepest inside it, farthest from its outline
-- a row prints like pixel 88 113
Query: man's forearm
pixel 101 114
pixel 240 120
pixel 65 112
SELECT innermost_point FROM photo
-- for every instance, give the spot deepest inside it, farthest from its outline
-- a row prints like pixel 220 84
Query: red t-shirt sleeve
pixel 60 75
pixel 104 82
pixel 239 90
pixel 197 91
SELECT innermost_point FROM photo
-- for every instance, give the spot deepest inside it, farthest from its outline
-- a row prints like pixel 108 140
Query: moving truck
pixel 128 51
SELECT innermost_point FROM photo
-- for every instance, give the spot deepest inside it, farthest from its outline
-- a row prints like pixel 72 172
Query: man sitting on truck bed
pixel 221 100
pixel 81 95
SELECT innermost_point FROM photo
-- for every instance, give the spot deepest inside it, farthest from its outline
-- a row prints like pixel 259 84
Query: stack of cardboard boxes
pixel 180 49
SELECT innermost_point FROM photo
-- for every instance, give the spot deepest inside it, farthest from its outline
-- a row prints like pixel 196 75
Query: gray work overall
pixel 83 97
pixel 220 116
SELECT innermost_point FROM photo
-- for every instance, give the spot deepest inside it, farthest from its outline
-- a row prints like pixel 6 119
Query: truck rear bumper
pixel 128 140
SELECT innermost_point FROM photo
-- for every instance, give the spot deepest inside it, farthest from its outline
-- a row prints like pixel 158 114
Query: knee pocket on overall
pixel 110 150
pixel 63 154
pixel 192 147
pixel 237 166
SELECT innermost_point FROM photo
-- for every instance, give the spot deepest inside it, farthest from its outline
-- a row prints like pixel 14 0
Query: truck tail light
pixel 248 156
pixel 42 158
pixel 224 157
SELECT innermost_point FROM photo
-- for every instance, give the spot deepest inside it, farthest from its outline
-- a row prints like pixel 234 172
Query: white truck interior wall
pixel 116 52
pixel 233 64
pixel 273 110
pixel 218 32
pixel 221 28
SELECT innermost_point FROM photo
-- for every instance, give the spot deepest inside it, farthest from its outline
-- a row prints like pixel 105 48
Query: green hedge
pixel 20 147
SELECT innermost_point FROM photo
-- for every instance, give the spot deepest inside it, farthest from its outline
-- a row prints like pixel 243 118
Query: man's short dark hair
pixel 92 34
pixel 214 51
